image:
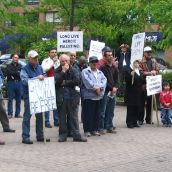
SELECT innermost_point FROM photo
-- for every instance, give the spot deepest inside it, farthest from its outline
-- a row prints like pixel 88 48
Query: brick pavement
pixel 145 149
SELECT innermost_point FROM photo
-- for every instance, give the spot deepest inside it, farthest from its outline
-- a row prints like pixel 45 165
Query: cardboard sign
pixel 153 84
pixel 69 41
pixel 137 46
pixel 42 95
pixel 96 49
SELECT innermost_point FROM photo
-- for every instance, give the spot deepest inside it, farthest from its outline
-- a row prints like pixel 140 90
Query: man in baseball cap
pixel 31 70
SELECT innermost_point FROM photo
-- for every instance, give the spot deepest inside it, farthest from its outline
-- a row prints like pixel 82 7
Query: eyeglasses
pixel 149 51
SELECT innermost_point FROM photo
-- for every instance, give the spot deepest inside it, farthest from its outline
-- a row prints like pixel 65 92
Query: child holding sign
pixel 166 103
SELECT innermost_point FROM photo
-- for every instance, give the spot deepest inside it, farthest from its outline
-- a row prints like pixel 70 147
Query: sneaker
pixel 42 140
pixel 81 139
pixel 102 132
pixel 111 131
pixel 87 134
pixel 27 141
pixel 95 133
pixel 48 125
pixel 62 139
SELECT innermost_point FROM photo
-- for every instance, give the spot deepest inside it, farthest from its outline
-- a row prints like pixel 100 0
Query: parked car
pixel 4 58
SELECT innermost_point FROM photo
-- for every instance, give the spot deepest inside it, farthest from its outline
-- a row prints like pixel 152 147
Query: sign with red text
pixel 153 84
pixel 42 95
pixel 70 41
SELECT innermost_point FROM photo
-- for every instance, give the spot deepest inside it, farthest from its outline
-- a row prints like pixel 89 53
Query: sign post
pixel 153 87
pixel 42 97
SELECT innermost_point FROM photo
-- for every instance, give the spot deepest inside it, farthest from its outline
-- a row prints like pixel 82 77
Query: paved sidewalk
pixel 145 149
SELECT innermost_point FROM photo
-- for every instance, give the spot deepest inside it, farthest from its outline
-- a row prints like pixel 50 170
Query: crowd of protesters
pixel 94 84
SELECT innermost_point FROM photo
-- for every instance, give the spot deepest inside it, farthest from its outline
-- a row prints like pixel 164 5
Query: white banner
pixel 153 84
pixel 96 49
pixel 42 95
pixel 69 41
pixel 137 46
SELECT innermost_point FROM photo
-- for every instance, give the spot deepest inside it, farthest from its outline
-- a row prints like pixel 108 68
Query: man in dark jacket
pixel 67 79
pixel 14 85
pixel 108 102
pixel 3 115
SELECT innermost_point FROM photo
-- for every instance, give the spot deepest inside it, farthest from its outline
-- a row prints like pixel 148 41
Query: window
pixel 32 2
pixel 31 18
pixel 52 17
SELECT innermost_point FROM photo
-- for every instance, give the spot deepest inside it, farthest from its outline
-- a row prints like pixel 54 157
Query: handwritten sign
pixel 69 41
pixel 96 49
pixel 153 84
pixel 137 46
pixel 42 95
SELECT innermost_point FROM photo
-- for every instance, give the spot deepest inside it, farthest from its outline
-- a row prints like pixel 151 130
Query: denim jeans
pixel 107 106
pixel 26 121
pixel 55 116
pixel 165 116
pixel 14 89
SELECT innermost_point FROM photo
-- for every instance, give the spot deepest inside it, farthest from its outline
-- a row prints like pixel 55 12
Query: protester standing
pixel 3 115
pixel 67 79
pixel 49 65
pixel 108 102
pixel 133 79
pixel 148 67
pixel 123 58
pixel 92 89
pixel 14 85
pixel 30 71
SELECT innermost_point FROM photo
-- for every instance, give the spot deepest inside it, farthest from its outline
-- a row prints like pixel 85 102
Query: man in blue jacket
pixel 31 70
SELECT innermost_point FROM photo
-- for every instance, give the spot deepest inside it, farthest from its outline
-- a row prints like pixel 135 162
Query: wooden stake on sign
pixel 43 119
pixel 155 102
pixel 152 110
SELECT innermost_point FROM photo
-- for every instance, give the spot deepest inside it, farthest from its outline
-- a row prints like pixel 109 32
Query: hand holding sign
pixel 40 77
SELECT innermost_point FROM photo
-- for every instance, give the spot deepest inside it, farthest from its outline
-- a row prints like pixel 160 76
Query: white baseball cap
pixel 147 49
pixel 32 54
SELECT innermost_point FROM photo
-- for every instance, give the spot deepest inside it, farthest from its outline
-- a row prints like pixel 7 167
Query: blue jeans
pixel 165 116
pixel 26 121
pixel 55 116
pixel 14 89
pixel 107 106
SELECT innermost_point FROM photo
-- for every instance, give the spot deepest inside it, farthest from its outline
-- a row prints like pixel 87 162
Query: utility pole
pixel 72 15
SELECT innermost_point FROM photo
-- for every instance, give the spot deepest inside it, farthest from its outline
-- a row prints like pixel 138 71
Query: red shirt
pixel 50 72
pixel 166 97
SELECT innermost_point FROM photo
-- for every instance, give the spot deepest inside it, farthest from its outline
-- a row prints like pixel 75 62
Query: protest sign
pixel 137 46
pixel 69 41
pixel 42 95
pixel 153 84
pixel 96 49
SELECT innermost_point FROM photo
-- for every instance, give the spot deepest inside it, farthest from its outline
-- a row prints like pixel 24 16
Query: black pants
pixel 148 100
pixel 91 111
pixel 3 115
pixel 132 114
pixel 67 110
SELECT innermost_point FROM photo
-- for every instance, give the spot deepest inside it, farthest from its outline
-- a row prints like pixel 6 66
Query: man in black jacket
pixel 108 102
pixel 66 79
pixel 14 85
